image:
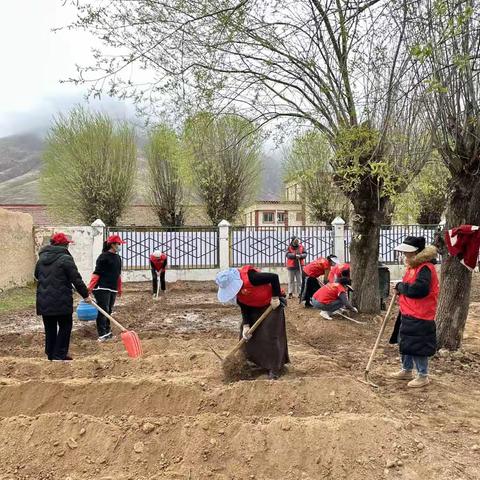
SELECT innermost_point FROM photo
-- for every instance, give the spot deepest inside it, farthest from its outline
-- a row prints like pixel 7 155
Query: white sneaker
pixel 324 314
pixel 106 337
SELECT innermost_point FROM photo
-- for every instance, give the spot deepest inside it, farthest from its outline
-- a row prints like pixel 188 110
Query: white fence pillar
pixel 224 244
pixel 338 225
pixel 98 229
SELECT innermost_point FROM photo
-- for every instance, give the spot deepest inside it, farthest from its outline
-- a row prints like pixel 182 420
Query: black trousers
pixel 155 276
pixel 309 287
pixel 57 335
pixel 106 300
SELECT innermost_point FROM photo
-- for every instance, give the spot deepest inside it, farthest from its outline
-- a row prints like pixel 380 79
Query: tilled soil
pixel 171 415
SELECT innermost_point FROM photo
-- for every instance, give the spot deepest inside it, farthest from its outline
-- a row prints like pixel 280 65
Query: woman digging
pixel 415 330
pixel 106 283
pixel 254 292
pixel 158 265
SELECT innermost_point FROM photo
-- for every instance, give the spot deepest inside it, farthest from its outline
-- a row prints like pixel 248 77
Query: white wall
pixel 87 246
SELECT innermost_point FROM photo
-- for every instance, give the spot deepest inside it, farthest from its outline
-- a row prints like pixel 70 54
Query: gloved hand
pixel 355 310
pixel 275 302
pixel 399 287
pixel 245 335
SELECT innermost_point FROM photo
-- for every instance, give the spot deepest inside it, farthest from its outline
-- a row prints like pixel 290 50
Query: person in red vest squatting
pixel 415 330
pixel 332 298
pixel 158 264
pixel 106 283
pixel 254 292
pixel 311 272
pixel 295 261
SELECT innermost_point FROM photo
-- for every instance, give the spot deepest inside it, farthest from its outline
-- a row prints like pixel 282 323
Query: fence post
pixel 98 229
pixel 338 225
pixel 224 244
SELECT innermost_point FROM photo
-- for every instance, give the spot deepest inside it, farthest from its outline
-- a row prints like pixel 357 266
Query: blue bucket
pixel 86 312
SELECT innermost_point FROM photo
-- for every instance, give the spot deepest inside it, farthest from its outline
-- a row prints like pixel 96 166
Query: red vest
pixel 292 262
pixel 250 295
pixel 317 267
pixel 329 293
pixel 158 262
pixel 337 270
pixel 422 308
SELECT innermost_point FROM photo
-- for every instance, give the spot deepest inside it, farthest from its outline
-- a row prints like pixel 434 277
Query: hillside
pixel 20 163
pixel 20 160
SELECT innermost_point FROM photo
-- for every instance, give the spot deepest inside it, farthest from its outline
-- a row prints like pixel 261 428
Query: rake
pixel 377 342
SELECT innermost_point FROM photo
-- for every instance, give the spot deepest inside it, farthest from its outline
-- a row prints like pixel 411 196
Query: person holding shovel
pixel 254 292
pixel 332 298
pixel 106 283
pixel 415 329
pixel 158 265
pixel 55 273
pixel 295 261
pixel 311 272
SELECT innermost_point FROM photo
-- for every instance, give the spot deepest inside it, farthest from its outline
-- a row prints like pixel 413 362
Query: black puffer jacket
pixel 56 272
pixel 414 335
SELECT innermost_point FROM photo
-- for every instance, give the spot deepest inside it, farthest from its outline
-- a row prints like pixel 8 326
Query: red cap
pixel 114 239
pixel 60 239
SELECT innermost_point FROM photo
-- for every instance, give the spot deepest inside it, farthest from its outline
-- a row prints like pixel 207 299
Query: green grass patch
pixel 17 299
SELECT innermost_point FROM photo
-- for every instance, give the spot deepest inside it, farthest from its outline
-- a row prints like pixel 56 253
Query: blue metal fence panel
pixel 267 246
pixel 391 236
pixel 186 247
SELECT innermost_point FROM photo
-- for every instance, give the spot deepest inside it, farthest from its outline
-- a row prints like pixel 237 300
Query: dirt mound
pixel 171 415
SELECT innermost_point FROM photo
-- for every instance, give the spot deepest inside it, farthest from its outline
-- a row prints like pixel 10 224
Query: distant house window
pixel 268 217
pixel 299 217
pixel 281 217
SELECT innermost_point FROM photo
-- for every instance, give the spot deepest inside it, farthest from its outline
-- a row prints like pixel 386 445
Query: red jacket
pixel 422 308
pixel 465 241
pixel 329 293
pixel 293 262
pixel 317 268
pixel 336 271
pixel 159 262
pixel 250 295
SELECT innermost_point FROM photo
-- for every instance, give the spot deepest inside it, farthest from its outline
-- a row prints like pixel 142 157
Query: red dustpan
pixel 130 339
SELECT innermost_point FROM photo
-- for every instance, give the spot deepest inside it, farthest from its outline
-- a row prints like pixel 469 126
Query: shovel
pixel 158 287
pixel 377 342
pixel 237 347
pixel 130 339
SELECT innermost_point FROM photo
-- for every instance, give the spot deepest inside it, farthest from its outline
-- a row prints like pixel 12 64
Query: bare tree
pixel 308 163
pixel 340 66
pixel 165 180
pixel 89 167
pixel 224 162
pixel 445 39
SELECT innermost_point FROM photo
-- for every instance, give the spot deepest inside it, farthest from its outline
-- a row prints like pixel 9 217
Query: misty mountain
pixel 20 160
pixel 20 163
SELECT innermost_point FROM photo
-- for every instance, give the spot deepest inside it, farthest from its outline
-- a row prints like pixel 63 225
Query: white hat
pixel 229 284
pixel 157 253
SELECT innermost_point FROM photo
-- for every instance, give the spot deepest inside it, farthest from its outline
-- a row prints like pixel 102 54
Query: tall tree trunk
pixel 456 280
pixel 364 251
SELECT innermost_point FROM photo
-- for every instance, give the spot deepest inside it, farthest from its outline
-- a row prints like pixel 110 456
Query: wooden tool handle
pixel 103 312
pixel 380 333
pixel 264 315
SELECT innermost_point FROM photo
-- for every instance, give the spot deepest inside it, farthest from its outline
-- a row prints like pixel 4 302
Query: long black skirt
pixel 268 346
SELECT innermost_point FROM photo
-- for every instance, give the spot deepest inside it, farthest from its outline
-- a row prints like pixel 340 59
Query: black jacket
pixel 55 273
pixel 109 268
